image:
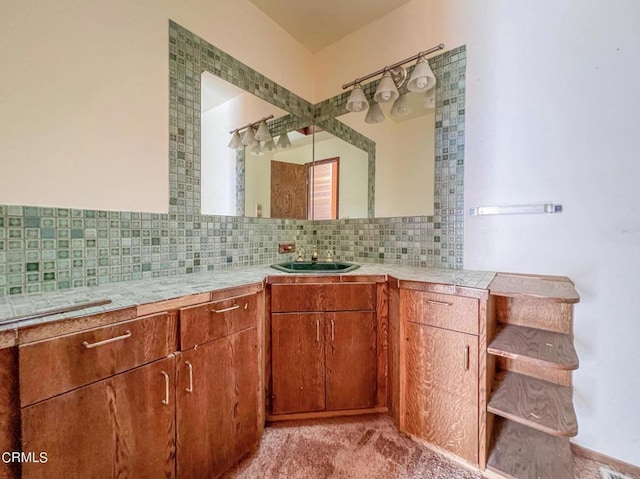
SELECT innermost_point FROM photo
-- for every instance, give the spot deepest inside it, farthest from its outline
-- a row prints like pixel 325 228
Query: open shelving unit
pixel 531 357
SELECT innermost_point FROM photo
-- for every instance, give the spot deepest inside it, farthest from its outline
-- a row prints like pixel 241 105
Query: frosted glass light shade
pixel 387 90
pixel 249 137
pixel 401 106
pixel 284 142
pixel 375 114
pixel 422 78
pixel 256 150
pixel 430 100
pixel 263 133
pixel 270 146
pixel 236 141
pixel 357 101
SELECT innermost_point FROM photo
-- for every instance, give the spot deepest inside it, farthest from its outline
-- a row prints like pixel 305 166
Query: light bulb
pixel 421 82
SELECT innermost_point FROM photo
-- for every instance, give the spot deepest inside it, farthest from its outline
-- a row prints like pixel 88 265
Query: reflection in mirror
pixel 404 182
pixel 225 107
pixel 283 183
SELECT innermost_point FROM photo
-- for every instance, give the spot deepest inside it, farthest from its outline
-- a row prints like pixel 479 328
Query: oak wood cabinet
pixel 439 390
pixel 122 426
pixel 442 389
pixel 218 386
pixel 9 409
pixel 323 347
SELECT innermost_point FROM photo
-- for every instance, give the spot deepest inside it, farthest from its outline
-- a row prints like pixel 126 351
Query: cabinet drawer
pixel 457 313
pixel 54 366
pixel 206 322
pixel 323 297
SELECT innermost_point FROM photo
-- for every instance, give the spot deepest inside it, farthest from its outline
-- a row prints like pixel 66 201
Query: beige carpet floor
pixel 362 447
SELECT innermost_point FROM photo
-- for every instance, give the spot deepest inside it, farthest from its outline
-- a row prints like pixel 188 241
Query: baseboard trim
pixel 325 414
pixel 617 464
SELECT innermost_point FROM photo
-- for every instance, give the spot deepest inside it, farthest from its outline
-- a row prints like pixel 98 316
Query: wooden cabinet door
pixel 120 427
pixel 350 349
pixel 297 358
pixel 217 404
pixel 441 391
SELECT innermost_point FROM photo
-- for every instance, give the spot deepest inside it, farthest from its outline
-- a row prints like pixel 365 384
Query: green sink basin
pixel 315 266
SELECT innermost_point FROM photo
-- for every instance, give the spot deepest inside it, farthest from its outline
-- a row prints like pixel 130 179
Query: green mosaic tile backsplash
pixel 47 249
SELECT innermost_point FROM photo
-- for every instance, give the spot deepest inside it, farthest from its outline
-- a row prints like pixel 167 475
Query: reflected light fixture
pixel 422 78
pixel 270 146
pixel 249 137
pixel 263 133
pixel 375 114
pixel 283 141
pixel 357 101
pixel 393 77
pixel 430 99
pixel 236 141
pixel 401 106
pixel 256 150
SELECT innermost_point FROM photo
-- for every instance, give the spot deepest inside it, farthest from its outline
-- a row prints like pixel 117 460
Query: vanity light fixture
pixel 401 106
pixel 250 137
pixel 375 114
pixel 236 141
pixel 422 78
pixel 387 90
pixel 270 146
pixel 393 77
pixel 283 141
pixel 357 101
pixel 263 133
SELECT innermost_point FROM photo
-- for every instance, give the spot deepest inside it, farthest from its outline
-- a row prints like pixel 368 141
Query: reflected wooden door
pixel 288 190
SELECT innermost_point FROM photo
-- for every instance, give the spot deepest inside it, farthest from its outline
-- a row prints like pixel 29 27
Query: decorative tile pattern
pixel 47 249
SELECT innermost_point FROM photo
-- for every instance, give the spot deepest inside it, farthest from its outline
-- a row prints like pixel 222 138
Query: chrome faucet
pixel 314 254
pixel 300 256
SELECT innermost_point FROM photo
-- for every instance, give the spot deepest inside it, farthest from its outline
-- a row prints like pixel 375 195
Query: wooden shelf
pixel 520 452
pixel 551 288
pixel 535 346
pixel 539 404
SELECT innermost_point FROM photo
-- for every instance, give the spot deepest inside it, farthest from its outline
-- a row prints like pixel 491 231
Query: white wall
pixel 552 101
pixel 84 93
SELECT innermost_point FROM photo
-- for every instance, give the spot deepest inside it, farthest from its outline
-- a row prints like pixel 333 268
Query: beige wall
pixel 85 94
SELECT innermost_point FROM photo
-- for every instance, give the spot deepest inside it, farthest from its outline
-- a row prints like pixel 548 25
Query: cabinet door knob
pixel 165 401
pixel 190 366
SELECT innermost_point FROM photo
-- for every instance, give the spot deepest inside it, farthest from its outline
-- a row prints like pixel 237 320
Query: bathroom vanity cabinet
pixel 101 402
pixel 183 387
pixel 217 389
pixel 171 393
pixel 439 357
pixel 325 347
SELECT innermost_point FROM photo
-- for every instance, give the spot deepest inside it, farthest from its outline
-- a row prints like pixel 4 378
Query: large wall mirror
pixel 320 176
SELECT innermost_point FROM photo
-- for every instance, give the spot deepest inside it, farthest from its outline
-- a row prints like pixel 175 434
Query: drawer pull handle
pixel 190 366
pixel 126 335
pixel 165 401
pixel 441 303
pixel 317 330
pixel 224 310
pixel 333 330
pixel 466 358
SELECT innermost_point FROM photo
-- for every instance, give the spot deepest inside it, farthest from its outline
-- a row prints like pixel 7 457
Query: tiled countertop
pixel 134 293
